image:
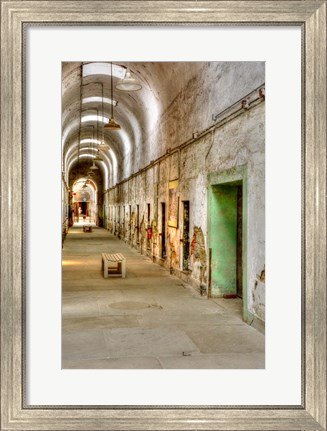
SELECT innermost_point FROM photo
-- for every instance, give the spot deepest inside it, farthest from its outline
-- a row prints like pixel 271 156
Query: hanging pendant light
pixel 94 167
pixel 112 124
pixel 102 146
pixel 128 83
pixel 97 155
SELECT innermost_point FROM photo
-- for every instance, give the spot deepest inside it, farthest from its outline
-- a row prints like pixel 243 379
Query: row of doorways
pixel 225 243
pixel 225 237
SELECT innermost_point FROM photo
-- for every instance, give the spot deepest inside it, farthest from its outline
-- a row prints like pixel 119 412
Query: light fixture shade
pixel 128 83
pixel 112 125
pixel 93 167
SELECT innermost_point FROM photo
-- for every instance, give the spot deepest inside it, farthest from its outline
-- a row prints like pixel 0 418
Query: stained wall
pixel 214 125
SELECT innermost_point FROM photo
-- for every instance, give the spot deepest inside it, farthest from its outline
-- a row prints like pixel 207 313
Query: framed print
pixel 36 39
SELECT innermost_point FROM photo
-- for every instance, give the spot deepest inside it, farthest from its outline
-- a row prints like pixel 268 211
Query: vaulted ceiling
pixel 86 107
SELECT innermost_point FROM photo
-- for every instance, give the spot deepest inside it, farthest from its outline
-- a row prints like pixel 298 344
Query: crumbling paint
pixel 133 228
pixel 173 248
pixel 155 236
pixel 198 245
pixel 262 276
pixel 142 237
pixel 258 296
pixel 198 255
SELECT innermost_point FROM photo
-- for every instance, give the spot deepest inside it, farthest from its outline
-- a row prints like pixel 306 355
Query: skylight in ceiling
pixel 103 69
pixel 98 99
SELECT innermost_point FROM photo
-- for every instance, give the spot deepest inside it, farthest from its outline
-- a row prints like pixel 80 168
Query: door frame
pixel 183 201
pixel 227 176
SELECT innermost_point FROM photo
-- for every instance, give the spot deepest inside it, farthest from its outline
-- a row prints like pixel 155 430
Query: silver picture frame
pixel 310 16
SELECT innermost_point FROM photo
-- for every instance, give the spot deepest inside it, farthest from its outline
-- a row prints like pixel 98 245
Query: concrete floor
pixel 150 319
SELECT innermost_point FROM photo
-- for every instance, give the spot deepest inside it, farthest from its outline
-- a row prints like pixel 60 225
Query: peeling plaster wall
pixel 237 142
pixel 215 87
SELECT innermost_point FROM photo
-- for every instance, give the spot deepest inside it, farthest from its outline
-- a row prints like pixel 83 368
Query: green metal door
pixel 223 239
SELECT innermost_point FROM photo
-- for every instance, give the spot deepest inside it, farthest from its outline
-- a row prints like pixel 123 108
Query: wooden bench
pixel 87 228
pixel 113 264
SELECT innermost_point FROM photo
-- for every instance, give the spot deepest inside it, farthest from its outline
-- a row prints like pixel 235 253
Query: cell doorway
pixel 186 235
pixel 163 230
pixel 226 240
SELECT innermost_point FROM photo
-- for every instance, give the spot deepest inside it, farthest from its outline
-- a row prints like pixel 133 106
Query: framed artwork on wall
pixel 35 392
pixel 173 204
